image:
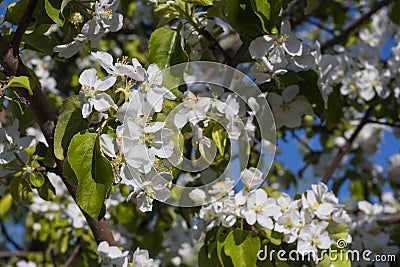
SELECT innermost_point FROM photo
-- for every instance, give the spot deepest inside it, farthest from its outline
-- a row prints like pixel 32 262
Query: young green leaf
pixel 5 204
pixel 242 247
pixel 22 82
pixel 93 171
pixel 165 48
pixel 53 10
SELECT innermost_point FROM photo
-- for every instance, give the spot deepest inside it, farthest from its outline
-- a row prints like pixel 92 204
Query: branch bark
pixel 355 25
pixel 343 151
pixel 47 121
pixel 72 256
pixel 23 24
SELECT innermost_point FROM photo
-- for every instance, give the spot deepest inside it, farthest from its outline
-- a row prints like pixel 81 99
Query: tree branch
pixel 390 219
pixel 23 24
pixel 14 253
pixel 394 125
pixel 356 24
pixel 74 253
pixel 239 54
pixel 219 53
pixel 342 151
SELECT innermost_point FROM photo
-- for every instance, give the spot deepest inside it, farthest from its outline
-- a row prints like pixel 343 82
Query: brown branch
pixel 342 151
pixel 390 219
pixel 239 54
pixel 14 253
pixel 219 53
pixel 394 125
pixel 74 253
pixel 354 26
pixel 23 24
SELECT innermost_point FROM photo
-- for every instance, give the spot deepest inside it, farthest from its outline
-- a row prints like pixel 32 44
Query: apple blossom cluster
pixel 357 69
pixel 143 150
pixel 307 221
pixel 42 67
pixel 368 234
pixel 105 20
pixel 113 256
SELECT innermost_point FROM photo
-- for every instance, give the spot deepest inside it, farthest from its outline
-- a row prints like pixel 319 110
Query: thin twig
pixel 303 143
pixel 342 151
pixel 394 125
pixel 214 45
pixel 8 237
pixel 390 219
pixel 23 25
pixel 354 26
pixel 319 25
pixel 72 256
pixel 14 253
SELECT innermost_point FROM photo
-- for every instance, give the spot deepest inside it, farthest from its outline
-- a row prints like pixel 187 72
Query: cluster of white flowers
pixel 105 20
pixel 305 220
pixel 42 67
pixel 112 256
pixel 367 232
pixel 143 150
pixel 277 53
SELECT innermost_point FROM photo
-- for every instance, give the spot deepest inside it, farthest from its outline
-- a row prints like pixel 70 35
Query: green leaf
pixel 219 138
pixel 222 233
pixel 262 8
pixel 20 189
pixel 93 171
pixel 22 82
pixel 394 12
pixel 200 2
pixel 165 48
pixel 53 10
pixel 311 4
pixel 242 247
pixel 239 14
pixel 37 179
pixel 15 11
pixel 338 231
pixel 357 190
pixel 334 112
pixel 38 42
pixel 5 204
pixel 310 89
pixel 274 237
pixel 47 191
pixel 69 123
